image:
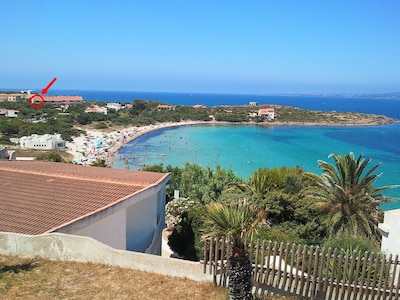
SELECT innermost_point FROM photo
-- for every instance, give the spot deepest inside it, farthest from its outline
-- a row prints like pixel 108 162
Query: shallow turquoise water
pixel 245 148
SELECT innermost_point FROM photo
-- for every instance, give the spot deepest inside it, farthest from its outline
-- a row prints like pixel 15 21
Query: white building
pixel 114 105
pixel 390 229
pixel 12 113
pixel 121 208
pixel 42 142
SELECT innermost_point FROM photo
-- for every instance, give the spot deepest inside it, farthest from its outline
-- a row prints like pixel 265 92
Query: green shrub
pixel 352 243
pixel 50 156
pixel 100 125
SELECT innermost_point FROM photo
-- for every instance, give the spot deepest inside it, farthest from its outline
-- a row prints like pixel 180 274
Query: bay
pixel 246 148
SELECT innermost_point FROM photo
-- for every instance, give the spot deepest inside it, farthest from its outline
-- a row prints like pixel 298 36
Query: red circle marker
pixel 33 104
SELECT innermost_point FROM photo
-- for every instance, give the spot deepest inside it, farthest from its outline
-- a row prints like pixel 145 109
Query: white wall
pixel 134 224
pixel 141 224
pixel 66 247
pixel 391 232
pixel 110 230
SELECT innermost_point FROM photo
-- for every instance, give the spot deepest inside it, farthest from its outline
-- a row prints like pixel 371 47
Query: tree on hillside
pixel 137 107
pixel 346 195
pixel 235 222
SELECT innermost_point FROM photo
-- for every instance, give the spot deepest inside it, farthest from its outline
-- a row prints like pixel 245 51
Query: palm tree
pixel 256 187
pixel 264 180
pixel 346 194
pixel 235 222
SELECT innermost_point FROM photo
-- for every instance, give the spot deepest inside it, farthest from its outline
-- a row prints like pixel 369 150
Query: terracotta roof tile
pixel 38 197
pixel 62 98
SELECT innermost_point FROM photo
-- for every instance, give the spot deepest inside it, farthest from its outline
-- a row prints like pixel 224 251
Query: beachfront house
pixel 121 208
pixel 268 112
pixel 42 142
pixel 390 232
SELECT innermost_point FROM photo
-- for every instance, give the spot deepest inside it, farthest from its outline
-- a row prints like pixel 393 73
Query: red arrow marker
pixel 44 91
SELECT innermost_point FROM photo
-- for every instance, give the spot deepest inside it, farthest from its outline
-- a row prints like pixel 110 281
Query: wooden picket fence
pixel 309 272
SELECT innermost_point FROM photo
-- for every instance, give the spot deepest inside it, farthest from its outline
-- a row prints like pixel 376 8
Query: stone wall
pixel 67 247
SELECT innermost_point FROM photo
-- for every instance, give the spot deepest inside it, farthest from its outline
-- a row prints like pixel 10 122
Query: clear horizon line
pixel 219 93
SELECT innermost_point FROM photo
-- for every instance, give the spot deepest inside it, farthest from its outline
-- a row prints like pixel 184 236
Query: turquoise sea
pixel 246 148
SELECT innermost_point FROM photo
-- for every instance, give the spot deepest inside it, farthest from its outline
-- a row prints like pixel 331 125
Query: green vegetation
pixel 142 112
pixel 51 156
pixel 299 205
pixel 346 195
pixel 235 221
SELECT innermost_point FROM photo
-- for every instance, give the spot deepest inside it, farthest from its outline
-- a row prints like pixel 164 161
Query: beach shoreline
pixel 97 145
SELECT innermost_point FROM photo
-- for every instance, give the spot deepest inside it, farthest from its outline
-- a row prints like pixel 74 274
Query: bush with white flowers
pixel 175 208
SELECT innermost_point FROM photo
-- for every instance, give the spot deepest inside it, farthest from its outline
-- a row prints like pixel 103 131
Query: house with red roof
pixel 10 113
pixel 121 208
pixel 63 100
pixel 268 112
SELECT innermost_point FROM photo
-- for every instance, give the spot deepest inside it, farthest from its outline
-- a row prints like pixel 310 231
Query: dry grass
pixel 22 278
pixel 40 279
pixel 34 153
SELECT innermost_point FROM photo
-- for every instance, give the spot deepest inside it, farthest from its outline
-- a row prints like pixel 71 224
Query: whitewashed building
pixel 390 229
pixel 114 105
pixel 42 142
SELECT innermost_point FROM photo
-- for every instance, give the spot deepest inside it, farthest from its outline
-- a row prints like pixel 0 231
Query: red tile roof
pixel 38 197
pixel 62 98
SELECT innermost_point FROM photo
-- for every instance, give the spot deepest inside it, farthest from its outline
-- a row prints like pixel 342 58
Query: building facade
pixel 61 100
pixel 267 112
pixel 42 142
pixel 121 208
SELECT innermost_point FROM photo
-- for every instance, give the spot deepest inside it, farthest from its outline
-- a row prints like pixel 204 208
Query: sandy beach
pixel 97 145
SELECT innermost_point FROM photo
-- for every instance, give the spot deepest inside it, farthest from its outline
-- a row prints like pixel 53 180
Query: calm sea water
pixel 388 107
pixel 245 148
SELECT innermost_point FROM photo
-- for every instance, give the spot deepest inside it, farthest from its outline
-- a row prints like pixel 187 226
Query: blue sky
pixel 257 47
